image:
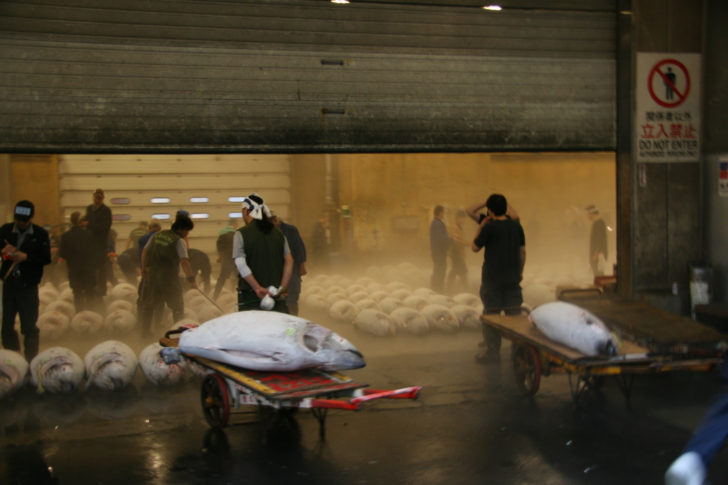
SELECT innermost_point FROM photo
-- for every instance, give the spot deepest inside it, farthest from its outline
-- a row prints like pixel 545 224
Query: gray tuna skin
pixel 574 327
pixel 110 365
pixel 13 371
pixel 270 341
pixel 56 369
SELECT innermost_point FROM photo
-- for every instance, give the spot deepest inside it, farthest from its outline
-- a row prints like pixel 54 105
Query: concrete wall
pixel 667 216
pixel 391 198
pixel 35 178
pixel 716 142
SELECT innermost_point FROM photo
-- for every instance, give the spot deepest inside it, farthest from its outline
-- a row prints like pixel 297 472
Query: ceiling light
pixel 340 2
pixel 493 8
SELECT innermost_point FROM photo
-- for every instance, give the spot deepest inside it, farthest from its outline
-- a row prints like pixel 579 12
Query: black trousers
pixel 20 299
pixel 153 296
pixel 507 299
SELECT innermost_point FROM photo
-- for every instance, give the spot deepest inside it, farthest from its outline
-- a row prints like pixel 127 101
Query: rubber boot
pixel 30 345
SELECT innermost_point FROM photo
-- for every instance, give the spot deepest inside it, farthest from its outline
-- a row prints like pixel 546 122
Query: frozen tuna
pixel 270 341
pixel 121 321
pixel 62 306
pixel 343 311
pixel 66 294
pixel 13 371
pixel 110 365
pixel 574 327
pixel 120 305
pixel 157 371
pixel 389 304
pixel 87 322
pixel 56 370
pixel 440 318
pixel 418 302
pixel 375 322
pixel 468 317
pixel 53 324
pixel 409 320
pixel 124 291
pixel 468 299
pixel 365 304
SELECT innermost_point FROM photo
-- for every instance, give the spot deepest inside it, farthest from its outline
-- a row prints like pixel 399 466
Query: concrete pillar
pixel 663 234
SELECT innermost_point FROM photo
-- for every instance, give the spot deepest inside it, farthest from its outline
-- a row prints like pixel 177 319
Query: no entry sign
pixel 669 83
pixel 667 118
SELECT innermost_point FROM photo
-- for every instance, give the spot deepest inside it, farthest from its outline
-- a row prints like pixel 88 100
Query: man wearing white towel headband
pixel 262 257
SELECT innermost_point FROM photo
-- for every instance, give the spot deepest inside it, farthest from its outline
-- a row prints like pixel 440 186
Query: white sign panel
pixel 667 116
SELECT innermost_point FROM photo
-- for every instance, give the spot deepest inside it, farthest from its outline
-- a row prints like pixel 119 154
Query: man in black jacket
pixel 99 225
pixel 26 248
pixel 74 247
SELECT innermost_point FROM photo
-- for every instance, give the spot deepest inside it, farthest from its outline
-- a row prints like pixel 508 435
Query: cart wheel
pixel 527 368
pixel 215 401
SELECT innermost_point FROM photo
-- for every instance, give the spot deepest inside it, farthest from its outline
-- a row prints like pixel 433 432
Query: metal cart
pixel 535 356
pixel 226 388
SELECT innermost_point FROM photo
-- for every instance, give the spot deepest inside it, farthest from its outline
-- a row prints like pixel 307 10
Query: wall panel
pixel 130 182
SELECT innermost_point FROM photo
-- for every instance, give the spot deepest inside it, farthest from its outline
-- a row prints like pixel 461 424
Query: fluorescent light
pixel 340 2
pixel 235 215
pixel 236 199
pixel 493 8
pixel 199 200
pixel 160 200
pixel 200 215
pixel 161 217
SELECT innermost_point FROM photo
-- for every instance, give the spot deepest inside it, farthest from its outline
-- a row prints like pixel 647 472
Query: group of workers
pixel 266 252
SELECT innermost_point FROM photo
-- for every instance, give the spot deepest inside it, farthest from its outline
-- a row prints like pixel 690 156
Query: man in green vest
pixel 262 257
pixel 162 257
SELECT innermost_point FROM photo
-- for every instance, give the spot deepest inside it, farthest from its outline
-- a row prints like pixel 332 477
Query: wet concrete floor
pixel 471 425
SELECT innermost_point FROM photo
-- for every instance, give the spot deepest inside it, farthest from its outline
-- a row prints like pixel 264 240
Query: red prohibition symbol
pixel 673 97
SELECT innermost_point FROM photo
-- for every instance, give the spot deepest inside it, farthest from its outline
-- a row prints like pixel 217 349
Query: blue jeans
pixel 711 434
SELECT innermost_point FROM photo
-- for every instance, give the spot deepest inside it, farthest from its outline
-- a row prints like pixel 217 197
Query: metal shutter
pixel 305 76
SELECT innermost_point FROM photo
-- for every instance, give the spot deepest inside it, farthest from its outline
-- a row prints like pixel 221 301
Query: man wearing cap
pixel 298 252
pixel 98 216
pixel 162 257
pixel 262 256
pixel 597 240
pixel 26 248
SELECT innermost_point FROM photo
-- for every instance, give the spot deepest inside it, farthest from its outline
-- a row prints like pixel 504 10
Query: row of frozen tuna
pixel 385 309
pixel 433 317
pixel 110 365
pixel 58 314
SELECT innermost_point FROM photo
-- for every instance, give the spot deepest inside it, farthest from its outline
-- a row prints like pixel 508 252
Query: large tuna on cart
pixel 651 341
pixel 274 361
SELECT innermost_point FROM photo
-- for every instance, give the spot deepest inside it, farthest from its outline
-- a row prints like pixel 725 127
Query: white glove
pixel 267 303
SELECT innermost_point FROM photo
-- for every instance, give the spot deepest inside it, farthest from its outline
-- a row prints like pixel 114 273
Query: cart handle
pixel 369 395
pixel 403 393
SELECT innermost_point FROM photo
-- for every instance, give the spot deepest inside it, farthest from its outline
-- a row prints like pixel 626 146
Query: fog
pixel 379 208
